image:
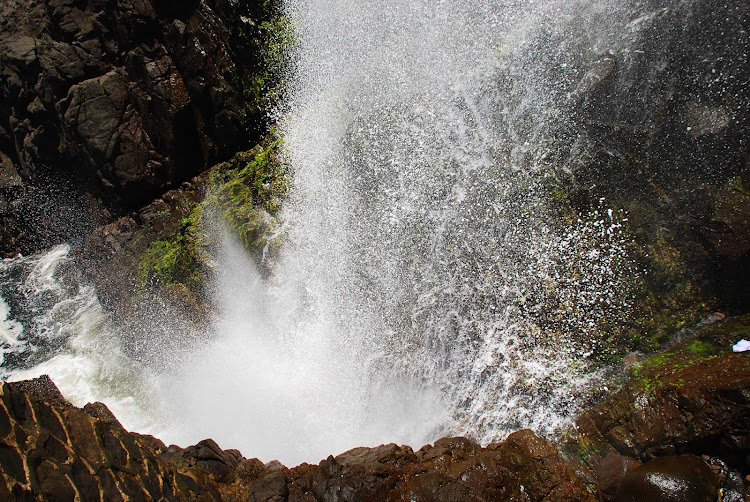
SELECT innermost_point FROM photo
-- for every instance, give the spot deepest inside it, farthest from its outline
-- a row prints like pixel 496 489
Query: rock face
pixel 678 431
pixel 51 450
pixel 105 105
pixel 692 400
pixel 660 131
pixel 156 266
pixel 683 478
pixel 689 400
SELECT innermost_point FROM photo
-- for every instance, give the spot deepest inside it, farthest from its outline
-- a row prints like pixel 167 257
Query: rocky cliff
pixel 107 104
pixel 678 431
pixel 660 130
pixel 50 450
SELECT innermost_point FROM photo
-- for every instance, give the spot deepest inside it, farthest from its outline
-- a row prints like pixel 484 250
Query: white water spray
pixel 424 288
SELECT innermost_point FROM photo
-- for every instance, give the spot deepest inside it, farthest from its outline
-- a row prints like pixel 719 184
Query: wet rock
pixel 684 478
pixel 44 390
pixel 122 100
pixel 691 399
pixel 101 412
pixel 9 177
pixel 655 137
pixel 610 471
pixel 598 71
pixel 207 454
pixel 89 453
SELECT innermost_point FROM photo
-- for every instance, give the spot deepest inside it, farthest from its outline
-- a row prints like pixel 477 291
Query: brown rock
pixel 120 100
pixel 101 412
pixel 699 408
pixel 44 390
pixel 610 471
pixel 685 478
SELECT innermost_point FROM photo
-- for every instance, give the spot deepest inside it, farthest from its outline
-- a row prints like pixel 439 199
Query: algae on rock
pixel 244 195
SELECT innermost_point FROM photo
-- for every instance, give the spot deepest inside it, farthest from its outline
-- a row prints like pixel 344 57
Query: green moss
pixel 171 262
pixel 245 193
pixel 699 347
pixel 247 196
pixel 258 86
pixel 585 447
pixel 651 373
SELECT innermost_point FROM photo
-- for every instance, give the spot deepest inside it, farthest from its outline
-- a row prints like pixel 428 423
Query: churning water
pixel 425 287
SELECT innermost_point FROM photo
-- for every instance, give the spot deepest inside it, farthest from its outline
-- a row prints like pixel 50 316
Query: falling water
pixel 426 286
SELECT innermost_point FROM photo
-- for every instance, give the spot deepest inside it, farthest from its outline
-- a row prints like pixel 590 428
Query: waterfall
pixel 426 286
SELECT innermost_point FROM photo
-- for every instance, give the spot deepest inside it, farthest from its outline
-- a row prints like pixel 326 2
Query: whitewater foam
pixel 424 287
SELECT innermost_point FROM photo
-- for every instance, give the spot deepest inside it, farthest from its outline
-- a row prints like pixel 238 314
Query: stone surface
pixel 661 132
pixel 683 414
pixel 127 259
pixel 610 471
pixel 50 450
pixel 690 400
pixel 684 478
pixel 117 102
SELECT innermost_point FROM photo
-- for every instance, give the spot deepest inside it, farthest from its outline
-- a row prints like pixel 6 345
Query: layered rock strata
pixel 51 450
pixel 678 430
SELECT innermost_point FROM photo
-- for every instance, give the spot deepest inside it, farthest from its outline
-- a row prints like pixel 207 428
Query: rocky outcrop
pixel 51 450
pixel 693 400
pixel 106 105
pixel 660 130
pixel 156 266
pixel 677 431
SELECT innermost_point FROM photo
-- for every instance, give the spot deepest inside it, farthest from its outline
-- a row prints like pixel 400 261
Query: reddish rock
pixel 684 478
pixel 90 453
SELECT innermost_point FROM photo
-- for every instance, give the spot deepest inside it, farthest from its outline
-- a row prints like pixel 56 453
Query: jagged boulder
pixel 106 105
pixel 693 399
pixel 51 450
pixel 157 266
pixel 684 478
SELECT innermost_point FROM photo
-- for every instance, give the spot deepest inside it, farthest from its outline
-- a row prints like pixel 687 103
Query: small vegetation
pixel 244 193
pixel 265 31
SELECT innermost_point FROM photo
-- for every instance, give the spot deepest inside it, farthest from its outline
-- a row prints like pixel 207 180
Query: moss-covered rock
pixel 109 104
pixel 690 399
pixel 156 267
pixel 653 138
pixel 244 195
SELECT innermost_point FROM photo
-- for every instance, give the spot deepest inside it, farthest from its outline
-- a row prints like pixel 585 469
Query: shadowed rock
pixel 685 478
pixel 106 105
pixel 50 450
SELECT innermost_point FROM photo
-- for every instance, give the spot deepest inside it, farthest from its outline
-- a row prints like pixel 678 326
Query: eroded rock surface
pixel 51 450
pixel 106 105
pixel 678 431
pixel 693 399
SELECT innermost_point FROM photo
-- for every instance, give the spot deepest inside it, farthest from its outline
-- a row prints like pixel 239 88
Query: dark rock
pixel 123 100
pixel 98 456
pixel 12 463
pixel 685 478
pixel 5 427
pixel 53 484
pixel 44 390
pixel 249 470
pixel 84 481
pixel 101 412
pixel 610 471
pixel 115 452
pixel 699 409
pixel 661 132
pixel 207 454
pixel 273 487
